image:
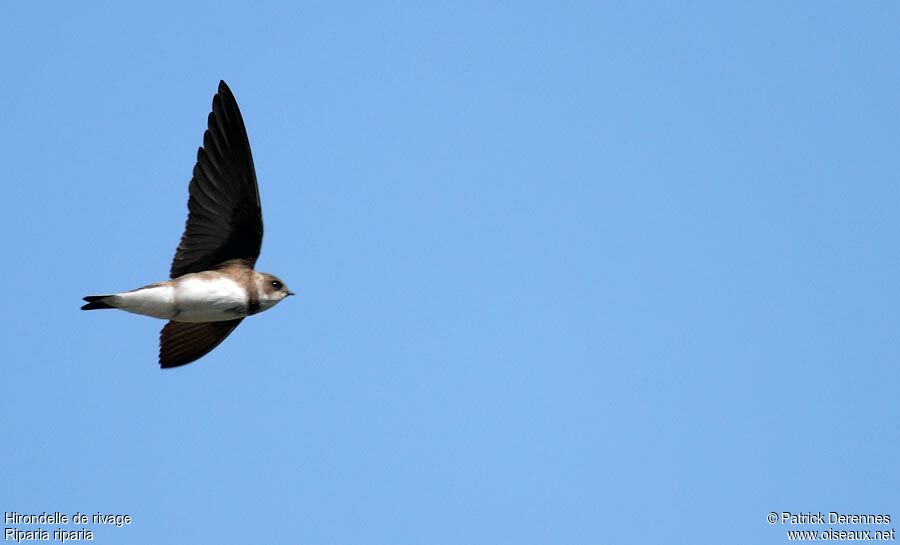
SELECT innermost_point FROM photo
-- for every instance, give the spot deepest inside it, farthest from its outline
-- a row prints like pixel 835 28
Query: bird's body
pixel 213 284
pixel 208 296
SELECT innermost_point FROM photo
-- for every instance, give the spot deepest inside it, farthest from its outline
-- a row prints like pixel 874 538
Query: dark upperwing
pixel 224 214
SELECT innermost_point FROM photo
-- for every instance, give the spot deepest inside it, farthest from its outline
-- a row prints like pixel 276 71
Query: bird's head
pixel 271 290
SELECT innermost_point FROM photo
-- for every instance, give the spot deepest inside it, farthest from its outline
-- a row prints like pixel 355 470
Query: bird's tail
pixel 95 302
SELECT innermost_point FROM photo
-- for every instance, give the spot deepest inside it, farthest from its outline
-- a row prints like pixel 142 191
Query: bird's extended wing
pixel 184 342
pixel 224 215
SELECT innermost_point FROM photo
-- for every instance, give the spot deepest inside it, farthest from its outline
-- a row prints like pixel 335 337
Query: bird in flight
pixel 212 285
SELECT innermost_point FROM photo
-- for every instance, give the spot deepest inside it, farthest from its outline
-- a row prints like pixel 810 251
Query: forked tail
pixel 95 302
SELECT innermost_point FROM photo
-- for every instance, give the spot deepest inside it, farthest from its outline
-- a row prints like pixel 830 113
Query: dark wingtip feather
pixel 172 364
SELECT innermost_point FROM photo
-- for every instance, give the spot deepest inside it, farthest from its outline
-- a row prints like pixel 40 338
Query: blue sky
pixel 569 272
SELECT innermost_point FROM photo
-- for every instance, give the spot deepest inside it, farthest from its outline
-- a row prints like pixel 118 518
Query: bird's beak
pixel 290 293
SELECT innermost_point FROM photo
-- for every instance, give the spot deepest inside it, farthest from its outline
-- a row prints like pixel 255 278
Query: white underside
pixel 189 299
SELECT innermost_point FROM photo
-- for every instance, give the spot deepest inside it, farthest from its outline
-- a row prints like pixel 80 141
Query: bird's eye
pixel 276 284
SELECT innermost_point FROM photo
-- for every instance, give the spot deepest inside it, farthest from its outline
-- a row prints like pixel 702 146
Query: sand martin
pixel 213 285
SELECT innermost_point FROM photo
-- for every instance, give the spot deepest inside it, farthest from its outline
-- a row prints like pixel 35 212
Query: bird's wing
pixel 224 215
pixel 184 342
